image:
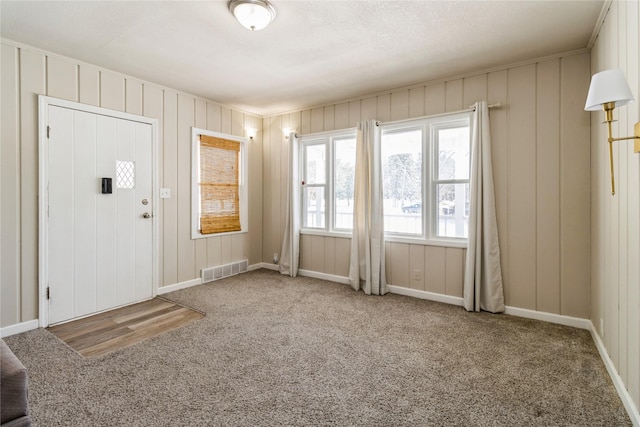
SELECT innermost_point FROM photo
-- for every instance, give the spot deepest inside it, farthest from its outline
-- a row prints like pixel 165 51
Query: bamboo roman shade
pixel 219 185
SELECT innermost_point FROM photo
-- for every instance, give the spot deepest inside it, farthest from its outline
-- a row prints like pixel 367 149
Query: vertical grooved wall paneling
pixel 112 91
pixel 343 249
pixel 133 96
pixel 369 107
pixel 267 186
pixel 170 206
pixel 153 107
pixel 341 118
pixel 416 267
pixel 354 113
pixel 282 163
pixel 329 117
pixel 253 244
pixel 548 194
pixel 32 81
pixel 623 207
pixel 522 186
pixel 61 78
pixel 88 85
pixel 541 183
pixel 27 73
pixel 276 159
pixel 416 102
pixel 453 95
pixel 239 242
pixel 434 273
pixel 434 99
pixel 10 172
pixel 329 255
pixel 615 219
pixel 575 198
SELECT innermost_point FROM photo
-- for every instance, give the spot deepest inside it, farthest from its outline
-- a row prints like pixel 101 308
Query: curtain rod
pixel 467 110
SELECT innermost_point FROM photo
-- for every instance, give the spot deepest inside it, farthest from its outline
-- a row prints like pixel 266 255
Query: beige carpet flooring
pixel 273 350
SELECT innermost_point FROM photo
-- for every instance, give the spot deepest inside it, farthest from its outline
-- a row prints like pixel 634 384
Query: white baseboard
pixel 627 401
pixel 178 286
pixel 19 328
pixel 431 296
pixel 198 281
pixel 267 265
pixel 324 276
pixel 619 385
pixel 575 322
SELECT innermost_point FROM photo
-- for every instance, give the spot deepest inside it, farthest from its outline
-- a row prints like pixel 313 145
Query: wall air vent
pixel 221 271
pixel 207 275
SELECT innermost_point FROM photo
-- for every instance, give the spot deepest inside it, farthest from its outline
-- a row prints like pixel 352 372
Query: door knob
pixel 146 215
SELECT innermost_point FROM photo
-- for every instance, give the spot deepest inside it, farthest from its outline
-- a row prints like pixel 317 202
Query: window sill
pixel 457 243
pixel 195 236
pixel 324 233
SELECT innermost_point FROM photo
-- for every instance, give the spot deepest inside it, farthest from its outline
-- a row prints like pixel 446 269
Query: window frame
pixel 429 215
pixel 328 139
pixel 435 181
pixel 195 180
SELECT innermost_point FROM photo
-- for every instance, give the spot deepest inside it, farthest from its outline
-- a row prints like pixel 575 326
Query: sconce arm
pixel 636 137
pixel 625 138
pixel 611 140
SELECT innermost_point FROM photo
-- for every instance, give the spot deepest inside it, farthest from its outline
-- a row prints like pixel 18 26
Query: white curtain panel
pixel 366 268
pixel 483 273
pixel 290 253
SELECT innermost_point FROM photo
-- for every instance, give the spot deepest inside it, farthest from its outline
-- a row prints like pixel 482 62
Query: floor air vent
pixel 221 271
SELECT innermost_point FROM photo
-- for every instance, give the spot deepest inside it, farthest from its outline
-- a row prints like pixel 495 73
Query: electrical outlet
pixel 165 193
pixel 275 257
pixel 417 275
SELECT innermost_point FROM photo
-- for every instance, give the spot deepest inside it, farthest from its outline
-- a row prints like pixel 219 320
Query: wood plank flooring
pixel 122 327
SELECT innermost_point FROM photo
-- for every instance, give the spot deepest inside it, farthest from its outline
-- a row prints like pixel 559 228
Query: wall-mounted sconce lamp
pixel 608 90
pixel 286 132
pixel 251 133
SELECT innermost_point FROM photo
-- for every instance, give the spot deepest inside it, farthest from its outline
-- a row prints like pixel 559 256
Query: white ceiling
pixel 313 53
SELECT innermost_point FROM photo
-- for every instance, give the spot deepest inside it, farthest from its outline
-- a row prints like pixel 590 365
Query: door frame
pixel 44 102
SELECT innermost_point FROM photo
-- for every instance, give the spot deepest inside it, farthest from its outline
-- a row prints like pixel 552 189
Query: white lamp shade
pixel 608 86
pixel 252 14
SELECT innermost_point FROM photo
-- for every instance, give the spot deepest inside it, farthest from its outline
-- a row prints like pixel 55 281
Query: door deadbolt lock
pixel 145 202
pixel 147 215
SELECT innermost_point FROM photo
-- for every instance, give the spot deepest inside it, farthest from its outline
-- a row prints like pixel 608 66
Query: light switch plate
pixel 165 193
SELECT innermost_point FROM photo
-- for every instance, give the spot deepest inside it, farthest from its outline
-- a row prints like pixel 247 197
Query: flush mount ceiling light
pixel 252 14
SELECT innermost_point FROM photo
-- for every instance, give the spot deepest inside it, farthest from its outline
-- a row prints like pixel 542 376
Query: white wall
pixel 27 72
pixel 615 226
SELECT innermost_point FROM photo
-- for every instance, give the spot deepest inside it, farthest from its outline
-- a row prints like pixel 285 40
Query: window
pixel 328 173
pixel 218 179
pixel 425 167
pixel 125 174
pixel 451 183
pixel 402 181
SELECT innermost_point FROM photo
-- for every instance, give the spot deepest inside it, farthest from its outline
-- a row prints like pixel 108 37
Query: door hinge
pixel 48 292
pixel 48 131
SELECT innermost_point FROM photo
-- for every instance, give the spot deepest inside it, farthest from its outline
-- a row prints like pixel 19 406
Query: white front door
pixel 100 244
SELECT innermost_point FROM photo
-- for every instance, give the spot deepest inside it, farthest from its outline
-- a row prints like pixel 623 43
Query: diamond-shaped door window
pixel 125 174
